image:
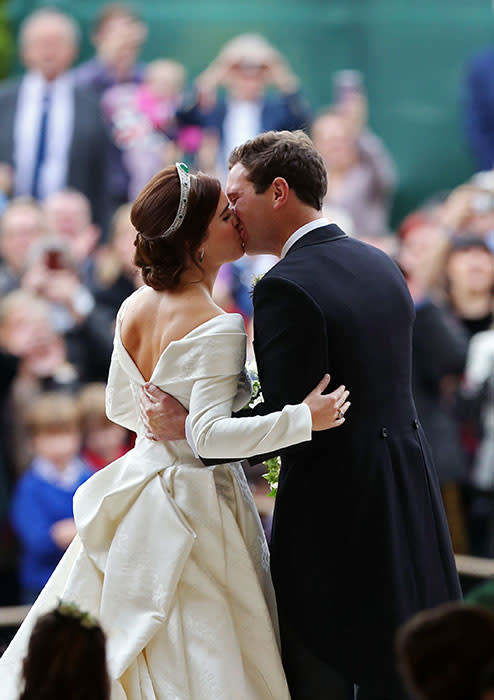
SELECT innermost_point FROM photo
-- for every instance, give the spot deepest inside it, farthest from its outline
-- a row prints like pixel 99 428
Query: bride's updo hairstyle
pixel 163 259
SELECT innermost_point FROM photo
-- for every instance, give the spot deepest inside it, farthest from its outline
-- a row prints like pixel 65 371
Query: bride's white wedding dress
pixel 170 555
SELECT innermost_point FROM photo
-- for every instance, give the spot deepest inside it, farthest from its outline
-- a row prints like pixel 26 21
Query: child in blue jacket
pixel 41 511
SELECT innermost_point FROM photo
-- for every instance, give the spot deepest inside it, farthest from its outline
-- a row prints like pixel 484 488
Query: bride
pixel 170 555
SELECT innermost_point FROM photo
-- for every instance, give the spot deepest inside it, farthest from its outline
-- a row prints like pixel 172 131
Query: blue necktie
pixel 41 149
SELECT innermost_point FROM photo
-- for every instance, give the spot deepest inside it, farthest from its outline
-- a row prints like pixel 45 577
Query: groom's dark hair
pixel 287 154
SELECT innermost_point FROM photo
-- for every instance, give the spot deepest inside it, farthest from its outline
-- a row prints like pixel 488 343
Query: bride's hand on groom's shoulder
pixel 163 416
pixel 327 410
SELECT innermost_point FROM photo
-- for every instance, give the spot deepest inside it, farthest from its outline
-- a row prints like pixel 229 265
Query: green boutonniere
pixel 274 464
pixel 255 280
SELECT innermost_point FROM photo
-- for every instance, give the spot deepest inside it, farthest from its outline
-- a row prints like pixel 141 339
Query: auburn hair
pixel 163 260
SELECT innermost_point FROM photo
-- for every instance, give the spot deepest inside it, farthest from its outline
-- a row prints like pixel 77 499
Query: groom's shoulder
pixel 280 273
pixel 282 282
pixel 318 250
pixel 324 264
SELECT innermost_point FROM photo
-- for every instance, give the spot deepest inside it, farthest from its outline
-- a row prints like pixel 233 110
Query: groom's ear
pixel 281 190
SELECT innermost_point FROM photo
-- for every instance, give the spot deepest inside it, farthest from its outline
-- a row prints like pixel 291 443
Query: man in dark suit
pixel 360 541
pixel 53 132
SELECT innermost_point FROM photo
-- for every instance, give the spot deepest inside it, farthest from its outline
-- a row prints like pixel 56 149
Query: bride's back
pixel 155 319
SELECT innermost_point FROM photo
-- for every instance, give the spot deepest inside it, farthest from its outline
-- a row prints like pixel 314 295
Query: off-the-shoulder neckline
pixel 200 326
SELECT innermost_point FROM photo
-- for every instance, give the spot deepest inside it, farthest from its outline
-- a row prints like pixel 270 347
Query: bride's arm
pixel 216 434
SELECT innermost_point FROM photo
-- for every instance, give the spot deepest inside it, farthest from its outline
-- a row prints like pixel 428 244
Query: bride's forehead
pixel 223 206
pixel 222 202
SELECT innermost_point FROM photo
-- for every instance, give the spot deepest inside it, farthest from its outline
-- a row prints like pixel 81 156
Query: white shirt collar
pixel 38 79
pixel 297 235
pixel 66 479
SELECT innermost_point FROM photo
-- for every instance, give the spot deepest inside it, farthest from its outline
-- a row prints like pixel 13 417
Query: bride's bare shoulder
pixel 161 317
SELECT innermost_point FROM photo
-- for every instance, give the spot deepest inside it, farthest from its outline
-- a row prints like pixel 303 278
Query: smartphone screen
pixel 347 82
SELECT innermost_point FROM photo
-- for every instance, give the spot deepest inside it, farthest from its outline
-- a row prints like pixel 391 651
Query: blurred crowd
pixel 77 145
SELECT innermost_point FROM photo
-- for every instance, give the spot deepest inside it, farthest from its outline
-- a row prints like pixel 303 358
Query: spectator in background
pixel 66 657
pixel 469 282
pixel 68 216
pixel 478 395
pixel 42 502
pixel 448 653
pixel 143 123
pixel 469 275
pixel 160 97
pixel 440 346
pixel 28 333
pixel 53 132
pixel 469 209
pixel 86 326
pixel 103 440
pixel 246 66
pixel 38 360
pixel 14 346
pixel 21 225
pixel 118 36
pixel 479 108
pixel 115 276
pixel 361 174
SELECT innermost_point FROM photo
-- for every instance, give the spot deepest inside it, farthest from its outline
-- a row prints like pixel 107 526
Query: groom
pixel 359 541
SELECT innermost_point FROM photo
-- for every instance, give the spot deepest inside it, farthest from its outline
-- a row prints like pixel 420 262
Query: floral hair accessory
pixel 71 610
pixel 184 175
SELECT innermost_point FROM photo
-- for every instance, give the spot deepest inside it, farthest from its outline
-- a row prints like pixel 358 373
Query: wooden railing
pixel 13 616
pixel 474 566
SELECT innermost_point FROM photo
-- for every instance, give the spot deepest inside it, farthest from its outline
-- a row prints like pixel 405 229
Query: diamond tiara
pixel 184 175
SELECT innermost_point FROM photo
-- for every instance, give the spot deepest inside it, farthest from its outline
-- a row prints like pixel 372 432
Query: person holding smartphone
pixel 361 172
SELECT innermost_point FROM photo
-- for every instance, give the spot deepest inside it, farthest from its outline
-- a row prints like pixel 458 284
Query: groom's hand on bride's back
pixel 163 416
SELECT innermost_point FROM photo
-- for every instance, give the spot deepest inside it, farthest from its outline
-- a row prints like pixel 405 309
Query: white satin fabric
pixel 170 555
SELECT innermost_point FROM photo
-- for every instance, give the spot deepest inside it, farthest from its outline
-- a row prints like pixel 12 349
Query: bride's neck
pixel 199 277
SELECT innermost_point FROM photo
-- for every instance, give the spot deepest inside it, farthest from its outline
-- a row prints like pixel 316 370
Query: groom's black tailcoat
pixel 359 541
